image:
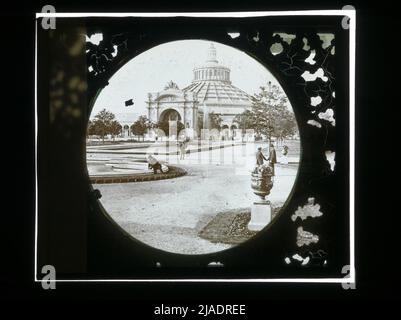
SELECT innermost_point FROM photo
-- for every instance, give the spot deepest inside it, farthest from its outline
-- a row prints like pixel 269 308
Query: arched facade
pixel 211 91
pixel 126 132
pixel 170 114
pixel 162 104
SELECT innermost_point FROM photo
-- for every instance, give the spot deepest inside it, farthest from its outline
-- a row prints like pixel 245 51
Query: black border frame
pixel 117 249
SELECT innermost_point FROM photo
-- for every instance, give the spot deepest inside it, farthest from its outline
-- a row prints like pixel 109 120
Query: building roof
pixel 211 84
pixel 218 92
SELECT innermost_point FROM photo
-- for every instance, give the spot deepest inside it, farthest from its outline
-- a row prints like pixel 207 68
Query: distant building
pixel 211 91
pixel 126 120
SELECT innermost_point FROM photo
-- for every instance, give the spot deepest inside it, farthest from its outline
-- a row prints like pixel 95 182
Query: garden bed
pixel 230 227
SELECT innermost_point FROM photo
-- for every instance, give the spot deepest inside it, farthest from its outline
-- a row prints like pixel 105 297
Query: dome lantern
pixel 211 85
pixel 211 69
pixel 211 55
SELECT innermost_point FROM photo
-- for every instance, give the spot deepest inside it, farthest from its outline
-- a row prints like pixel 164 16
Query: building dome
pixel 212 85
pixel 210 92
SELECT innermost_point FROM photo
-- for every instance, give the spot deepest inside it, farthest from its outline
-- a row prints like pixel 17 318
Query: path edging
pixel 174 172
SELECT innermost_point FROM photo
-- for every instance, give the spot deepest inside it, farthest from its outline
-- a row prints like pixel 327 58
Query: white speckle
pixel 313 76
pixel 305 238
pixel 90 68
pixel 114 53
pixel 256 38
pixel 287 260
pixel 311 57
pixel 314 101
pixel 286 36
pixel 297 257
pixel 334 94
pixel 314 123
pixel 326 38
pixel 308 210
pixel 233 35
pixel 306 261
pixel 330 157
pixel 95 38
pixel 306 47
pixel 328 116
pixel 276 48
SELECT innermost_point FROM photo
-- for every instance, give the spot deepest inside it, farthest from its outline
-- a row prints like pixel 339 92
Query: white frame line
pixel 36 150
pixel 352 51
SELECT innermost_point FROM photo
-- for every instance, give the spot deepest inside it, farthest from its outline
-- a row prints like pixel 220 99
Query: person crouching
pixel 154 164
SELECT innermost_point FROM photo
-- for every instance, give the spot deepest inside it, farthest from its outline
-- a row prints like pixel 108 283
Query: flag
pixel 129 103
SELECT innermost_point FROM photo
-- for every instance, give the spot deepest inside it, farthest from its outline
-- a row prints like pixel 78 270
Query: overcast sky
pixel 151 70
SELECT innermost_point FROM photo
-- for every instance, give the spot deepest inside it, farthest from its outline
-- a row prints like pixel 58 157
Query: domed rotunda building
pixel 211 92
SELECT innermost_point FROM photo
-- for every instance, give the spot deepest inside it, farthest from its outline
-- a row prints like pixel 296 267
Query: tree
pixel 215 121
pixel 286 126
pixel 89 129
pixel 103 124
pixel 244 120
pixel 141 126
pixel 115 128
pixel 269 114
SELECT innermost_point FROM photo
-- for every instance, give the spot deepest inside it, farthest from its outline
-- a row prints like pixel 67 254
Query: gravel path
pixel 168 214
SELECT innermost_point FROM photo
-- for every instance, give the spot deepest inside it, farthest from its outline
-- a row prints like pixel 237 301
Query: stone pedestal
pixel 261 215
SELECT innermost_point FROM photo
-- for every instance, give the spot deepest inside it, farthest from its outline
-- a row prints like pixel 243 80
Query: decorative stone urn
pixel 261 183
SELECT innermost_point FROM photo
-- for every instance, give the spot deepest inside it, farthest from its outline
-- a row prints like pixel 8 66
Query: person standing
pixel 260 157
pixel 285 153
pixel 272 157
pixel 182 149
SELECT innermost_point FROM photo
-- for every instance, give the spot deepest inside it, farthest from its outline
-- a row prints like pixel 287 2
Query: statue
pixel 171 85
